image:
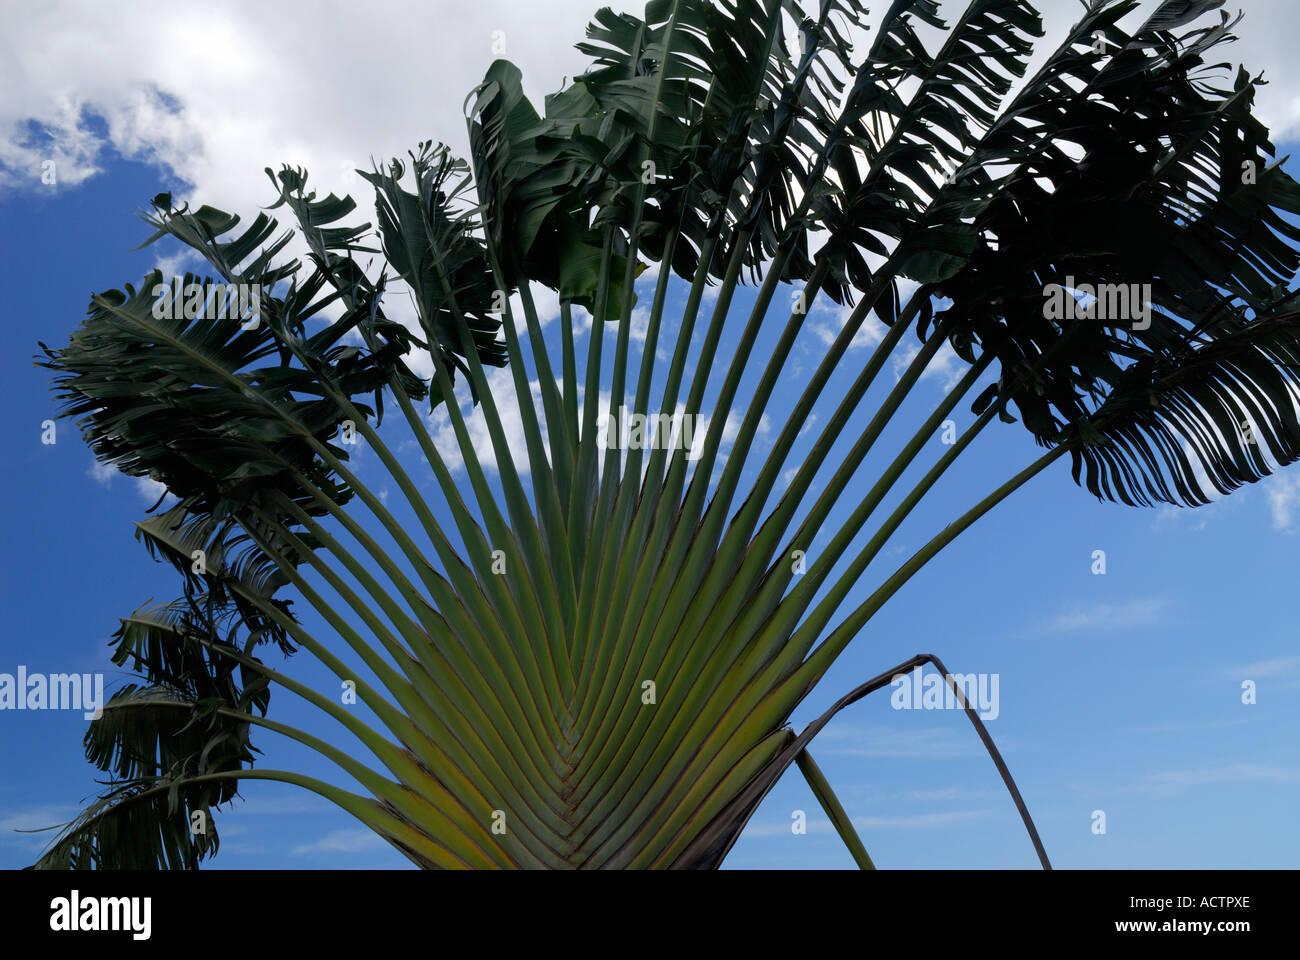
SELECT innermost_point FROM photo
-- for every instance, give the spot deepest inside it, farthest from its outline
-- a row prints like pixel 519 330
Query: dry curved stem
pixel 716 842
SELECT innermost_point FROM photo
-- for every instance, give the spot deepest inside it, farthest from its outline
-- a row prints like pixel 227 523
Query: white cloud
pixel 149 489
pixel 639 327
pixel 835 317
pixel 501 385
pixel 81 78
pixel 945 365
pixel 177 263
pixel 545 301
pixel 101 473
pixel 217 121
pixel 1284 501
pixel 149 70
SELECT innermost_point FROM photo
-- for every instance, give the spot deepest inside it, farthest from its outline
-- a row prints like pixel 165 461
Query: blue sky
pixel 1118 692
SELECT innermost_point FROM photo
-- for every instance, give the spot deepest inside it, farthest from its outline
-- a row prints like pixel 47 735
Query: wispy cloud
pixel 281 804
pixel 1277 667
pixel 343 841
pixel 949 793
pixel 101 473
pixel 501 387
pixel 148 489
pixel 945 365
pixel 33 818
pixel 1185 729
pixel 1169 516
pixel 1284 500
pixel 1175 781
pixel 920 821
pixel 827 320
pixel 1126 615
pixel 175 265
pixel 929 742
